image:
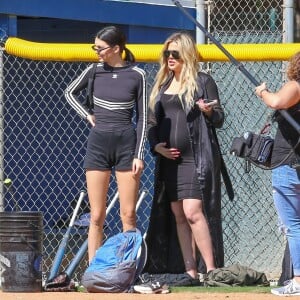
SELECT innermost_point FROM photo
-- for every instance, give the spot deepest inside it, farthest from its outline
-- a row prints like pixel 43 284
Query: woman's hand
pixel 287 96
pixel 170 153
pixel 137 167
pixel 205 107
pixel 259 89
pixel 91 120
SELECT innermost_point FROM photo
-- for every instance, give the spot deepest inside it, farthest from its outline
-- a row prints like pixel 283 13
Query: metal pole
pixel 200 16
pixel 288 21
pixel 1 129
pixel 287 29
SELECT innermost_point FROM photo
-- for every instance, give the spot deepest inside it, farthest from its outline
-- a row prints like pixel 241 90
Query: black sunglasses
pixel 98 50
pixel 175 54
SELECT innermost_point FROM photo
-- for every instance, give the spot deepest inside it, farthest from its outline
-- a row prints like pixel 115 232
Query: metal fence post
pixel 1 129
pixel 288 21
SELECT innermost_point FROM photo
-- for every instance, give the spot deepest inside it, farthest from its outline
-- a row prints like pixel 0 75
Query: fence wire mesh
pixel 44 143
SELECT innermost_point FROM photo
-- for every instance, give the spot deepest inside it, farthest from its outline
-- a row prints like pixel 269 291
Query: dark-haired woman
pixel 114 143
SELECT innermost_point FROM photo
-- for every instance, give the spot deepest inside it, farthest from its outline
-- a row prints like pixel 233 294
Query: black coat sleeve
pixel 153 127
pixel 211 92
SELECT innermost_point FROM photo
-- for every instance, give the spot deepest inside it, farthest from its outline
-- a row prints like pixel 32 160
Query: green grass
pixel 237 289
pixel 197 289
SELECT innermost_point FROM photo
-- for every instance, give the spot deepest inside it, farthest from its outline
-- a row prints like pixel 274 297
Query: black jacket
pixel 164 255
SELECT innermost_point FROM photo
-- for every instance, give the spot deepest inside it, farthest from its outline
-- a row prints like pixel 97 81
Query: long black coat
pixel 164 254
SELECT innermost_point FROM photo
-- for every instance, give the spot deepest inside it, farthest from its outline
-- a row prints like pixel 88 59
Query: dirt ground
pixel 173 296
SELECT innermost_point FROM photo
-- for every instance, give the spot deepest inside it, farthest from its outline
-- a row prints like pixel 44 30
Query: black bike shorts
pixel 106 150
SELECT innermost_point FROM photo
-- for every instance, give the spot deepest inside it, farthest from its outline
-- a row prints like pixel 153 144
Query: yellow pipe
pixel 148 52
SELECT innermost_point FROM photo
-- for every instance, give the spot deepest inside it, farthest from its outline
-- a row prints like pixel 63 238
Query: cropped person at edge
pixel 113 142
pixel 286 159
pixel 181 133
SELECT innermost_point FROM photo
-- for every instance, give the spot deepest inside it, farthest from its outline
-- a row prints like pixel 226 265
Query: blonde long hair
pixel 190 56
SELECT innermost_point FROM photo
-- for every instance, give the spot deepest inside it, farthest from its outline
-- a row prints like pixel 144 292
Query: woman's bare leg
pixel 192 227
pixel 97 187
pixel 193 211
pixel 185 238
pixel 128 186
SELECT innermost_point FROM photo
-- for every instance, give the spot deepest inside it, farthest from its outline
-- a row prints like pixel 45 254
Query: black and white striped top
pixel 117 93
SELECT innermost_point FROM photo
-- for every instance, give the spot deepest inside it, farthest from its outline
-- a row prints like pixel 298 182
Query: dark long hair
pixel 113 36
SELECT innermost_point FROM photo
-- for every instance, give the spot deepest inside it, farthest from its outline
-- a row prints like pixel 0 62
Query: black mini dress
pixel 179 176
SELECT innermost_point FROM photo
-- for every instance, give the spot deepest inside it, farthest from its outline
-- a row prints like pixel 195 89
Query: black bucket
pixel 21 242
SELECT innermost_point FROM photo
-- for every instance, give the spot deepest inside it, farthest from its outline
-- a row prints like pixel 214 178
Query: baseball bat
pixel 82 250
pixel 238 64
pixel 141 198
pixel 143 252
pixel 63 244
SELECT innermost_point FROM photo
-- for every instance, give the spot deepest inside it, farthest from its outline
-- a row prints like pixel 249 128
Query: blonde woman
pixel 184 110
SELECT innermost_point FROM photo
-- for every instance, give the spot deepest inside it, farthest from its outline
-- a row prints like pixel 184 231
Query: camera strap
pixel 265 130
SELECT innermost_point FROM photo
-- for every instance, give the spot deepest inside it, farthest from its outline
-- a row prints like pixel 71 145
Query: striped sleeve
pixel 72 91
pixel 141 114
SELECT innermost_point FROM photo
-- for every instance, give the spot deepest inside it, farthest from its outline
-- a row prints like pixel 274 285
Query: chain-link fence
pixel 44 143
pixel 250 222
